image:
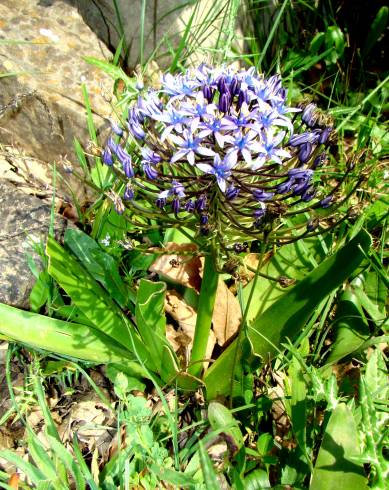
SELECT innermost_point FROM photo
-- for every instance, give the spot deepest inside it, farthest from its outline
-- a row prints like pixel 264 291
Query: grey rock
pixel 41 103
pixel 23 218
pixel 164 23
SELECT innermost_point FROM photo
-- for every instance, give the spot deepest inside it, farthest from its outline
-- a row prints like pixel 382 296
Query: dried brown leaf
pixel 180 266
pixel 227 314
pixel 186 318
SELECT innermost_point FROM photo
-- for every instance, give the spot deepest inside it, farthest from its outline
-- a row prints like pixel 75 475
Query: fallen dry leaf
pixel 227 314
pixel 171 335
pixel 186 318
pixel 91 420
pixel 218 453
pixel 186 270
pixel 180 267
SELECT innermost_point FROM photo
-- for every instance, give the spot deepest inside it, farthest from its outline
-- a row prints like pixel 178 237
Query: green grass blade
pixel 67 460
pixel 83 466
pixel 271 34
pixel 35 475
pixel 183 40
pixel 114 71
pixel 209 473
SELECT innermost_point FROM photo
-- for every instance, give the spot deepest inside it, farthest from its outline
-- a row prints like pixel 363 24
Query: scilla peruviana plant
pixel 221 152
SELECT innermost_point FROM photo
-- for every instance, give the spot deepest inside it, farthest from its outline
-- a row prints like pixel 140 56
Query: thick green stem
pixel 204 315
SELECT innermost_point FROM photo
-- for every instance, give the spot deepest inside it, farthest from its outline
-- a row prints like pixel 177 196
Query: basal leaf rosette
pixel 221 151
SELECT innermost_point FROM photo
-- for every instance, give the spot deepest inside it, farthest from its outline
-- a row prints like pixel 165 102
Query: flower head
pixel 221 149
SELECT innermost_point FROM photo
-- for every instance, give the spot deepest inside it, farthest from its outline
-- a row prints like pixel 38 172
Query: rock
pixel 22 217
pixel 41 103
pixel 29 174
pixel 165 22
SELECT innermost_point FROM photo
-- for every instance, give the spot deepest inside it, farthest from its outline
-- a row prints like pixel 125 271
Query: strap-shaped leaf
pixel 288 315
pixel 92 299
pixel 336 465
pixel 71 339
pixel 151 324
pixel 100 265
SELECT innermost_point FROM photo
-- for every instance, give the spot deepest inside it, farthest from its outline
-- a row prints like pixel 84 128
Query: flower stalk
pixel 204 315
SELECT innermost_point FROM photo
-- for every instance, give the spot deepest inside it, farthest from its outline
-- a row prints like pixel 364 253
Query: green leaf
pixel 293 261
pixel 298 404
pixel 265 443
pixel 376 212
pixel 335 466
pixel 351 329
pixel 256 480
pixel 317 43
pixel 151 323
pixel 373 296
pixel 287 316
pixel 376 376
pixel 377 28
pixel 221 418
pixel 70 339
pixel 92 299
pixel 179 480
pixel 71 313
pixel 376 292
pixel 209 473
pixel 99 264
pixel 40 292
pixel 122 381
pixel 374 425
pixel 334 36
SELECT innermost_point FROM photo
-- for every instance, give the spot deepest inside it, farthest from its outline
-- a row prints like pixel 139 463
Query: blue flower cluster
pixel 221 148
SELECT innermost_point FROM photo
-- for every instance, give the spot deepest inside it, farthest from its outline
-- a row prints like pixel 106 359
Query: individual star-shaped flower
pixel 178 86
pixel 268 149
pixel 176 190
pixel 244 119
pixel 188 147
pixel 198 110
pixel 221 169
pixel 173 119
pixel 244 144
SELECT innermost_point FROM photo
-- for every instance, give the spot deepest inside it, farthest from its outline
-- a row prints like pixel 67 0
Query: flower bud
pixel 305 152
pixel 326 202
pixel 107 157
pixel 324 136
pixel 128 193
pixel 224 103
pixel 150 171
pixel 176 205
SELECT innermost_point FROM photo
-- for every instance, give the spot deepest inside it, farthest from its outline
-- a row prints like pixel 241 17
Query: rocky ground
pixel 42 45
pixel 42 111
